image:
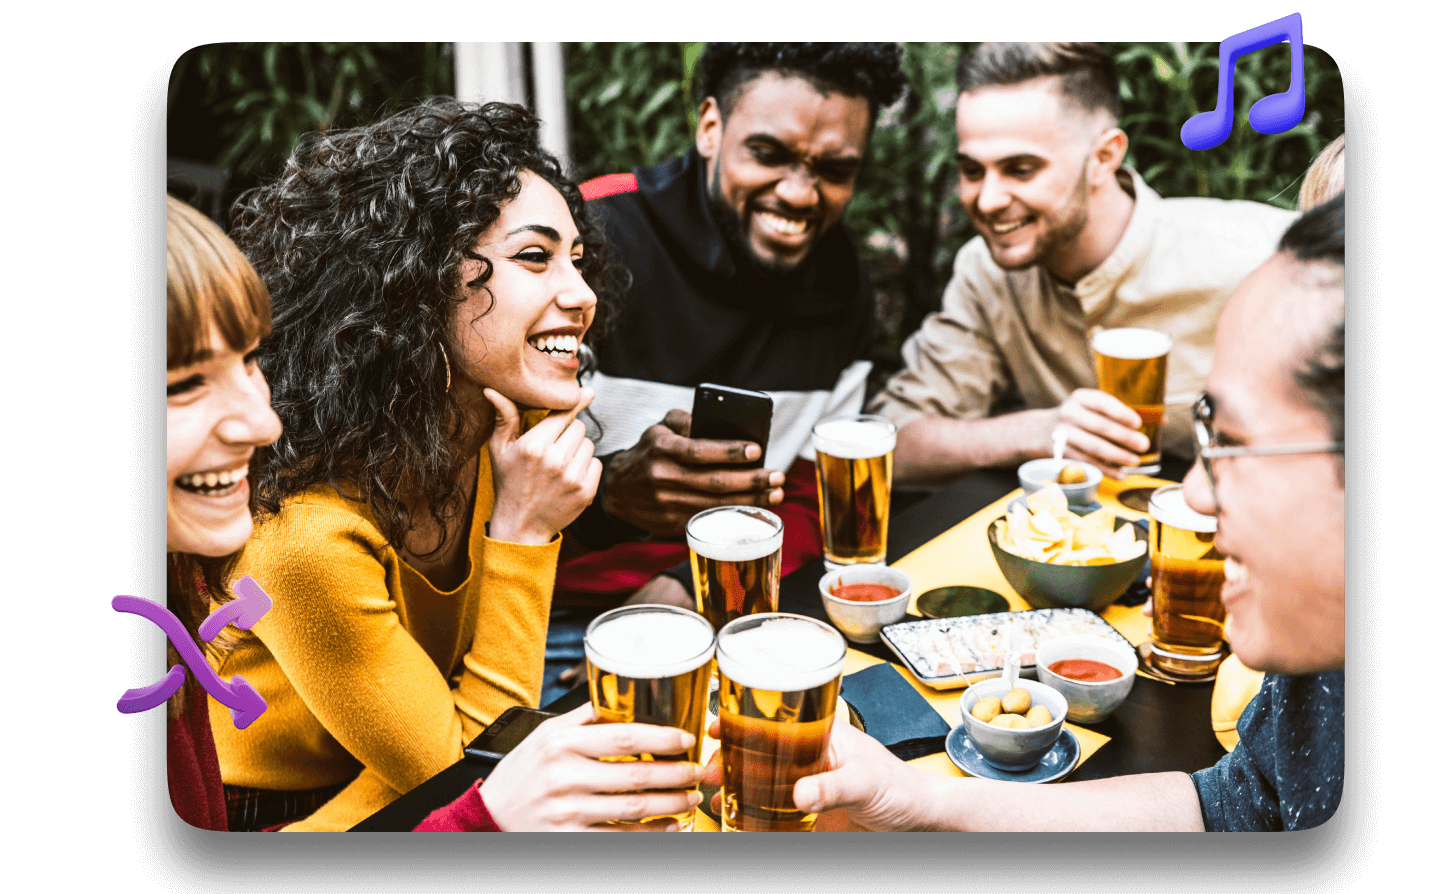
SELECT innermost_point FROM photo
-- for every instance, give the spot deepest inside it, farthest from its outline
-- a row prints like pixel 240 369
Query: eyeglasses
pixel 1208 449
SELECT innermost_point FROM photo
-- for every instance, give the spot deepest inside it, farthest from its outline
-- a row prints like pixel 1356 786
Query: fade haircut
pixel 870 71
pixel 1084 70
pixel 1319 237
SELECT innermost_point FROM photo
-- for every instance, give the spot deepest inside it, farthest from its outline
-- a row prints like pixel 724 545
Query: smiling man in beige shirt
pixel 1072 243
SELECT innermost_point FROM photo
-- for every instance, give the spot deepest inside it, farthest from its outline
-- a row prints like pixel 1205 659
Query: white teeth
pixel 1004 229
pixel 558 345
pixel 225 478
pixel 784 225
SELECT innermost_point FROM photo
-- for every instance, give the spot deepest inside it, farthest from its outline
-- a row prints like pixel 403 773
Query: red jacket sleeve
pixel 466 814
pixel 803 541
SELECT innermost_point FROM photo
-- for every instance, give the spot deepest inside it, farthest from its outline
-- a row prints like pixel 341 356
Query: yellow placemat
pixel 961 556
pixel 945 702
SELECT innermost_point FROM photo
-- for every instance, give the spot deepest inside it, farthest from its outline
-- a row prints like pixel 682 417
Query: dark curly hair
pixel 868 70
pixel 361 242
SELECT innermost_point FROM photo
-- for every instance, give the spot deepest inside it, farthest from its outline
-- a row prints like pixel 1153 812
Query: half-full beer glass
pixel 1131 365
pixel 735 554
pixel 651 664
pixel 1187 574
pixel 855 462
pixel 779 685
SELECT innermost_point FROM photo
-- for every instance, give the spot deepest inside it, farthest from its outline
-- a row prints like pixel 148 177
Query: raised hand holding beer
pixel 668 476
pixel 557 781
pixel 1102 430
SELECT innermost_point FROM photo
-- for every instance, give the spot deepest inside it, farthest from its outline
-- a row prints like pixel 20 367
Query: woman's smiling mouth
pixel 214 483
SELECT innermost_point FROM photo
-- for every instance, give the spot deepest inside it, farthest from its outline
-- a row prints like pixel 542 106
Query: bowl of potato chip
pixel 1078 481
pixel 1057 556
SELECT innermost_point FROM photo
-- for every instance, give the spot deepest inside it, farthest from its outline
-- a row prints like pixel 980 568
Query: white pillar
pixel 487 72
pixel 549 76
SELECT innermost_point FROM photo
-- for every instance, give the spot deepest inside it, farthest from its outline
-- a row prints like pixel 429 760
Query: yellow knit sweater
pixel 368 670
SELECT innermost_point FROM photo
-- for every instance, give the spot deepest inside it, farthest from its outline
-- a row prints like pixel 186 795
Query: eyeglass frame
pixel 1206 433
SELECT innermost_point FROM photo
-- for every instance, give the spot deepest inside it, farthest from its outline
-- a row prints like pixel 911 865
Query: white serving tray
pixel 974 640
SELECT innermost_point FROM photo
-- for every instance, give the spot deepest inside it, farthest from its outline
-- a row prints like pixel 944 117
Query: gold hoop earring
pixel 448 367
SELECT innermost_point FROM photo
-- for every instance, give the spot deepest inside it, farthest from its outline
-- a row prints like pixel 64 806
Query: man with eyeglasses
pixel 1271 428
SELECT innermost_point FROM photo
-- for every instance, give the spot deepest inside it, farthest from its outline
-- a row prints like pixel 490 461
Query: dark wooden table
pixel 1160 727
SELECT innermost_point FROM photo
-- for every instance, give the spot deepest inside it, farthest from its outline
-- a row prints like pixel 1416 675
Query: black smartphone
pixel 505 733
pixel 723 413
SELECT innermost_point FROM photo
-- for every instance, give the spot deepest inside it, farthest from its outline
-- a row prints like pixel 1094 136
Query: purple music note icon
pixel 1277 113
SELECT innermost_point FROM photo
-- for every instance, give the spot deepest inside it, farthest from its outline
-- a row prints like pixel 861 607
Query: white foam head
pixel 783 654
pixel 1132 344
pixel 860 437
pixel 1169 506
pixel 735 533
pixel 648 644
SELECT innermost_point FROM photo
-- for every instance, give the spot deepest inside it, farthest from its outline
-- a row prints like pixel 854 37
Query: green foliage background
pixel 243 106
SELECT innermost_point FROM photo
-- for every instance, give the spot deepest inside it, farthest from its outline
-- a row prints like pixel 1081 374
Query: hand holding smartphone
pixel 723 413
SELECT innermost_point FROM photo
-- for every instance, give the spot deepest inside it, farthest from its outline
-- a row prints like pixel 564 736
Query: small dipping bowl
pixel 862 621
pixel 1039 473
pixel 1013 749
pixel 1089 702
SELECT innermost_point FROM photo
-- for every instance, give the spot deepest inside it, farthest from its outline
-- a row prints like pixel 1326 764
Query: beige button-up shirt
pixel 1009 334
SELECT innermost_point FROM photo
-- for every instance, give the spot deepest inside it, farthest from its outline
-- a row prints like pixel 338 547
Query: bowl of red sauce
pixel 1093 673
pixel 861 600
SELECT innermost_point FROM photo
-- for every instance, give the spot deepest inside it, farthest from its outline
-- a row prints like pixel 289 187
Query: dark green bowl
pixel 1093 587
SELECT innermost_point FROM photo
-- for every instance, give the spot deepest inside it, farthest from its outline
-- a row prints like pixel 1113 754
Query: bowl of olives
pixel 1078 481
pixel 1013 725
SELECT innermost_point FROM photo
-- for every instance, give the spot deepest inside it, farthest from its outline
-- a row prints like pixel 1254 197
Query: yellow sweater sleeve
pixel 335 631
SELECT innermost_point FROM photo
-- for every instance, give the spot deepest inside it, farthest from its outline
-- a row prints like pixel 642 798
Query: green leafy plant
pixel 257 99
pixel 630 103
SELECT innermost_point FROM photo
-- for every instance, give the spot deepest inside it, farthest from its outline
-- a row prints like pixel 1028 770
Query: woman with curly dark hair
pixel 433 277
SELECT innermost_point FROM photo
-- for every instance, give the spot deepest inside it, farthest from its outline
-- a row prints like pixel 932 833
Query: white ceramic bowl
pixel 1089 702
pixel 1013 749
pixel 1037 473
pixel 862 621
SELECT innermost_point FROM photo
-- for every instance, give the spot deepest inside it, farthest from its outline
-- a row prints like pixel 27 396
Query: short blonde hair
pixel 211 286
pixel 1326 176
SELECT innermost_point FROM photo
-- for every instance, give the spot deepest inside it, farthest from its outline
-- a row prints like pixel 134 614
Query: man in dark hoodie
pixel 742 275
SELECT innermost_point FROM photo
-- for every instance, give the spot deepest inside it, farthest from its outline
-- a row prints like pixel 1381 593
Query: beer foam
pixel 735 534
pixel 781 655
pixel 648 645
pixel 1170 508
pixel 1132 344
pixel 853 438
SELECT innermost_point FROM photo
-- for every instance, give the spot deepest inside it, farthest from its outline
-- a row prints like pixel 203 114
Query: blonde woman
pixel 217 416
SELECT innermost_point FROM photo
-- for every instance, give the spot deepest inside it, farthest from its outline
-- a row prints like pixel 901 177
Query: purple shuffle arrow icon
pixel 242 700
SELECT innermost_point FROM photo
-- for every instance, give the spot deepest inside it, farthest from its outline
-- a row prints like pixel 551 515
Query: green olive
pixel 1017 701
pixel 1010 721
pixel 1039 716
pixel 1072 475
pixel 987 709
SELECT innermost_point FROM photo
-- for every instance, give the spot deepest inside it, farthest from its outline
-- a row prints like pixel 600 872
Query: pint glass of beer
pixel 1187 612
pixel 855 461
pixel 735 554
pixel 651 664
pixel 779 684
pixel 1132 367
